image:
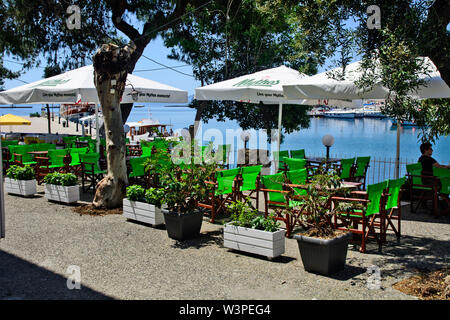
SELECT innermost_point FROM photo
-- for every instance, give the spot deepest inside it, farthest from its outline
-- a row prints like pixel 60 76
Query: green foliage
pixel 315 208
pixel 185 187
pixel 61 179
pixel 243 215
pixel 20 173
pixel 136 193
pixel 155 196
pixel 35 114
pixel 229 39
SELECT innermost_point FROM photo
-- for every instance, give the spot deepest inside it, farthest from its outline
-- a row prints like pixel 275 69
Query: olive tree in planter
pixel 250 232
pixel 144 205
pixel 323 249
pixel 62 187
pixel 20 180
pixel 185 183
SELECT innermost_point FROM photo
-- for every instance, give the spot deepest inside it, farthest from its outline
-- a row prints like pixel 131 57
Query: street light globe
pixel 328 140
pixel 126 128
pixel 246 135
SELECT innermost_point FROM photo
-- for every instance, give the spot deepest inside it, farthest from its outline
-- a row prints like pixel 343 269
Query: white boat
pixel 147 129
pixel 73 112
pixel 340 114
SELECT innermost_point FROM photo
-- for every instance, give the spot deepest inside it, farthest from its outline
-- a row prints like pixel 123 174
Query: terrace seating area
pixel 282 194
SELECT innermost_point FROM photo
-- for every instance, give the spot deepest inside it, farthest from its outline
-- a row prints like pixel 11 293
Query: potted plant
pixel 62 187
pixel 144 205
pixel 323 249
pixel 20 180
pixel 184 189
pixel 250 232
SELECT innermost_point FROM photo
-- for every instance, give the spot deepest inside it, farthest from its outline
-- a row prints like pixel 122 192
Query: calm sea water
pixel 358 137
pixel 361 137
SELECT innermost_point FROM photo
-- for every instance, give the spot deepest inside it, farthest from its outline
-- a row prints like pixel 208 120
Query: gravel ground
pixel 119 259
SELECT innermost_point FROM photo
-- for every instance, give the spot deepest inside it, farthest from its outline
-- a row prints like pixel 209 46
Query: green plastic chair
pixel 146 151
pixel 393 207
pixel 90 170
pixel 294 164
pixel 298 154
pixel 346 168
pixel 276 199
pixel 278 158
pixel 75 155
pixel 137 167
pixel 225 181
pixel 56 158
pixel 371 217
pixel 419 189
pixel 25 157
pixel 6 143
pixel 362 164
pixel 249 182
pixel 298 177
pixel 443 175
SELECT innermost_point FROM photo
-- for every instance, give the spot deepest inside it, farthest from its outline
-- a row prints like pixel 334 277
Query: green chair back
pixel 298 177
pixel 138 166
pixel 394 187
pixel 146 151
pixel 274 182
pixel 415 169
pixel 278 157
pixel 75 154
pixel 346 166
pixel 225 180
pixel 444 176
pixel 374 194
pixel 361 164
pixel 6 143
pixel 298 154
pixel 91 158
pixel 249 176
pixel 56 157
pixel 294 164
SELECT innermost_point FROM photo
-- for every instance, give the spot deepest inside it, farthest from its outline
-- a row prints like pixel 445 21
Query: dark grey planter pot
pixel 323 256
pixel 183 226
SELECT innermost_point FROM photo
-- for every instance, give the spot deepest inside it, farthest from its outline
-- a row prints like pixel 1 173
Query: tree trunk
pixel 110 64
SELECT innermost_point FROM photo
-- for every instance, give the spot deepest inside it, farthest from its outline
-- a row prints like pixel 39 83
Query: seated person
pixel 427 161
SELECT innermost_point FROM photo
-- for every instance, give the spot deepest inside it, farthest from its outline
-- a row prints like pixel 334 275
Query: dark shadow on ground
pixel 86 196
pixel 204 239
pixel 280 259
pixel 22 280
pixel 160 227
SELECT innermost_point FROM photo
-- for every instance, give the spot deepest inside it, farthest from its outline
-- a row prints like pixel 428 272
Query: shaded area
pixel 22 280
pixel 204 239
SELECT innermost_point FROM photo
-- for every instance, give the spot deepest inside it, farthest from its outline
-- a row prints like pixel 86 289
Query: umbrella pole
pixel 397 155
pixel 280 116
pixel 96 128
pixel 2 197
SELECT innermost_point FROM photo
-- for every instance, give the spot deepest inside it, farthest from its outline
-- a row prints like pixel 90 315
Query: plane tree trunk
pixel 110 73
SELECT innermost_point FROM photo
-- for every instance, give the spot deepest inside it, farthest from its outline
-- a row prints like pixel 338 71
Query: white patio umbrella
pixel 323 86
pixel 264 86
pixel 77 86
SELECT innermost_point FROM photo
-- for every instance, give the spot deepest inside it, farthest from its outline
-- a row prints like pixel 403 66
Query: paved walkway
pixel 119 259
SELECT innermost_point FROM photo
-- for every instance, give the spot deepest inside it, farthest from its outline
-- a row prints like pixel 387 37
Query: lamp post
pixel 328 141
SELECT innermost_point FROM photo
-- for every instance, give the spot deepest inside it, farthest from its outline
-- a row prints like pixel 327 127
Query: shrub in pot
pixel 183 190
pixel 251 232
pixel 62 187
pixel 20 180
pixel 323 249
pixel 144 205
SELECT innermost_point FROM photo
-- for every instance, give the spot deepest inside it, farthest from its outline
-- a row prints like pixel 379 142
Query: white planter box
pixel 143 212
pixel 62 193
pixel 269 244
pixel 21 187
